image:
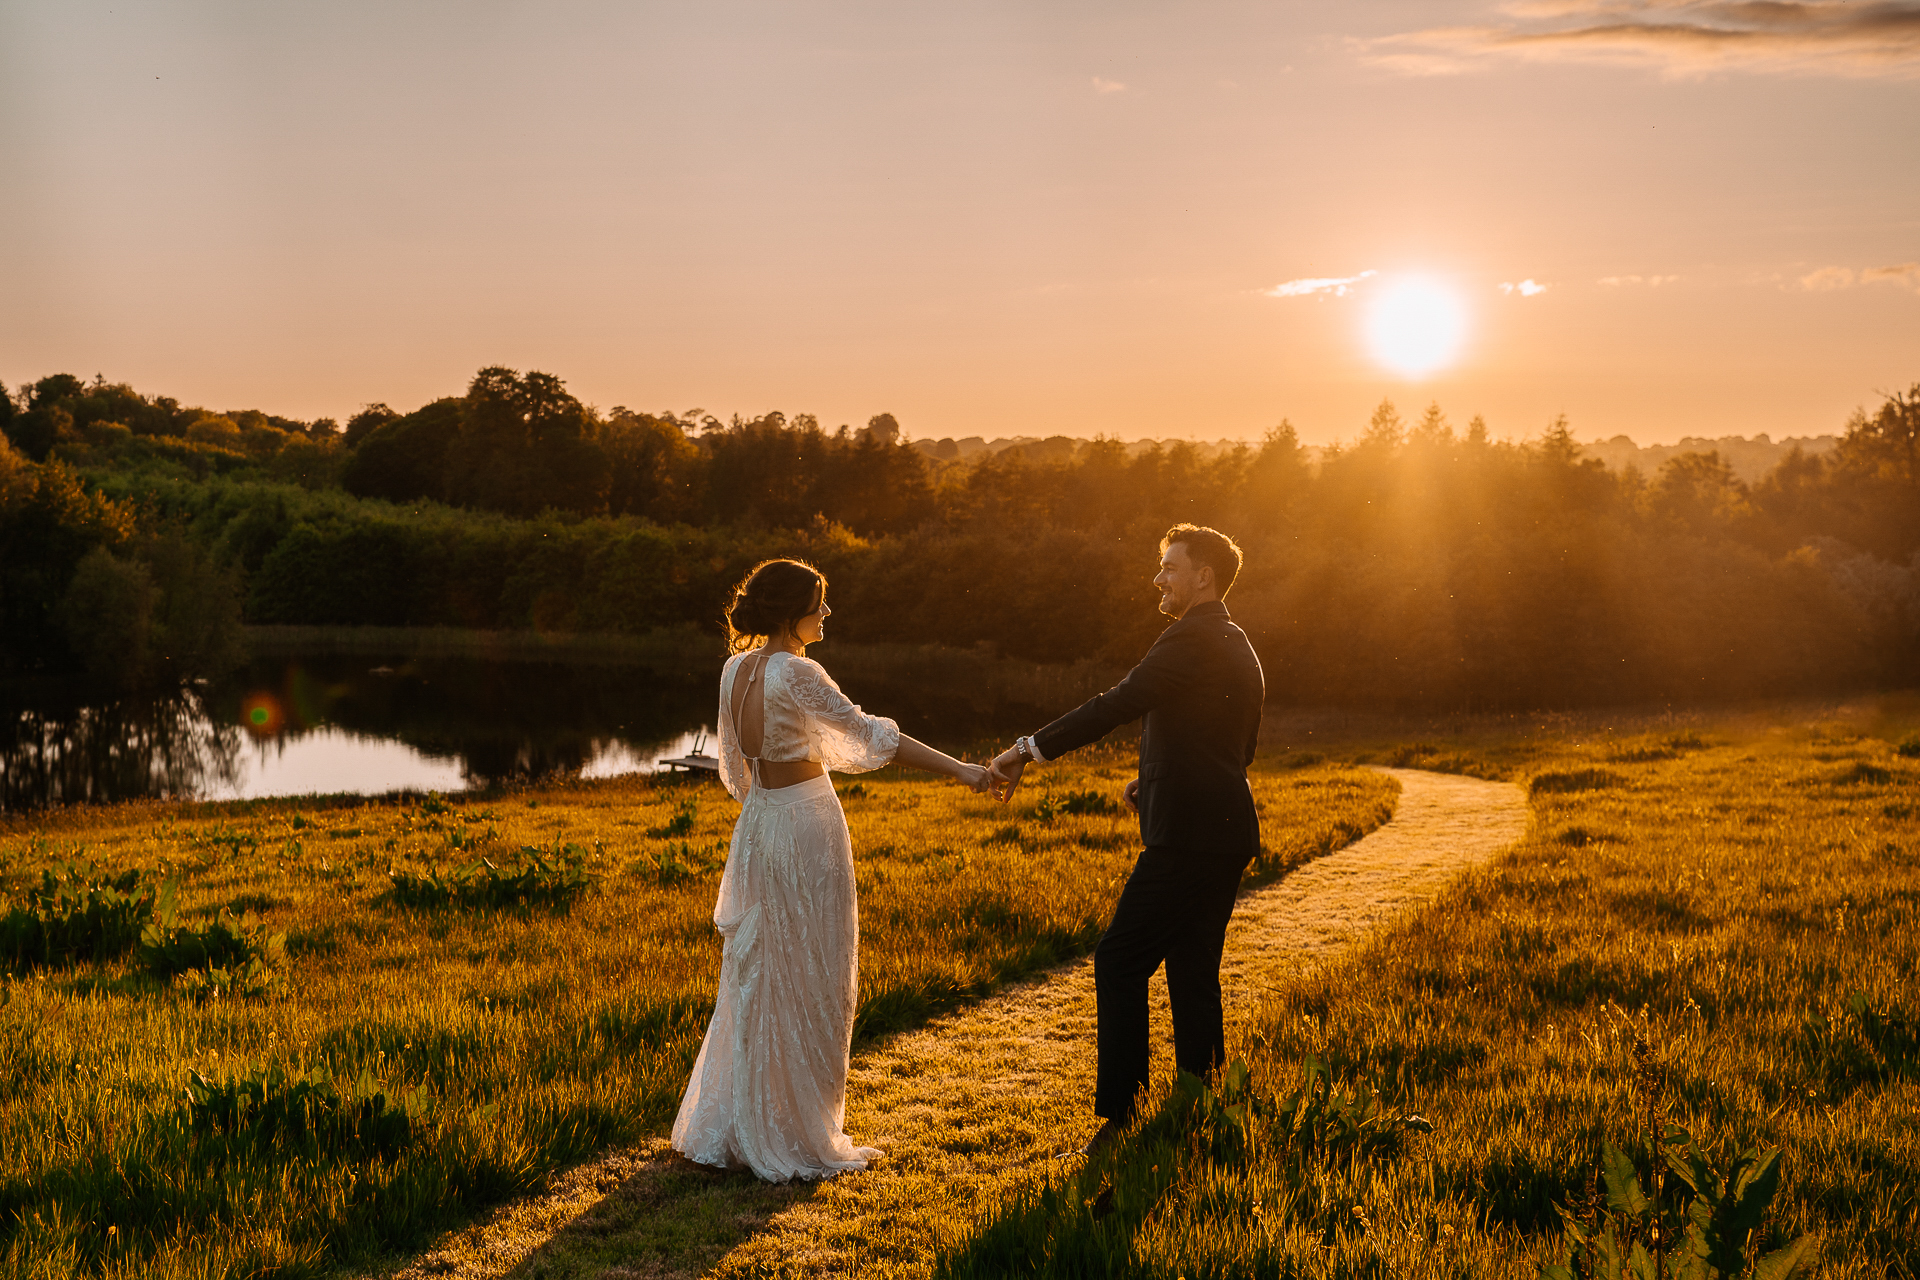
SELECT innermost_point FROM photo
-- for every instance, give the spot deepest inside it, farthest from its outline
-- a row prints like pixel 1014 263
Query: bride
pixel 769 1087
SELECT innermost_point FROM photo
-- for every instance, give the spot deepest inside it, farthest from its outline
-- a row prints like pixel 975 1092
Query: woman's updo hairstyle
pixel 777 594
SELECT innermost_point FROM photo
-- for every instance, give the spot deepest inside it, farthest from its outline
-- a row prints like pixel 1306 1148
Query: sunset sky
pixel 1659 217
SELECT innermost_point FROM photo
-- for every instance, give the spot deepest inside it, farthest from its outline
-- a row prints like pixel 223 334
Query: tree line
pixel 1420 565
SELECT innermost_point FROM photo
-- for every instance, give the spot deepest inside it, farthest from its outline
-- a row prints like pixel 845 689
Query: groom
pixel 1200 690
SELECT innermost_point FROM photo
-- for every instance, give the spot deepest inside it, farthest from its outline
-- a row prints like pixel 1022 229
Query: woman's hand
pixel 976 777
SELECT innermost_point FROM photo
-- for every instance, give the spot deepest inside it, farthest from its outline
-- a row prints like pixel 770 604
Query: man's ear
pixel 1209 583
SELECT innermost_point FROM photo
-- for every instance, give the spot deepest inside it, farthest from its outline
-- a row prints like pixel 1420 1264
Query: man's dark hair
pixel 1209 547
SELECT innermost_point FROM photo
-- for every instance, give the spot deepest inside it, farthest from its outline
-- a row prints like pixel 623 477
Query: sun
pixel 1416 326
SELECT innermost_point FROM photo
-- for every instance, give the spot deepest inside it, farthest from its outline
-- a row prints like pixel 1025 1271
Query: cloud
pixel 1678 37
pixel 1903 274
pixel 1525 288
pixel 1828 278
pixel 1108 86
pixel 1338 286
pixel 1652 282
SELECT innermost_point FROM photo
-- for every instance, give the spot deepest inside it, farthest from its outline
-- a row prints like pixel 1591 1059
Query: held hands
pixel 1006 769
pixel 976 778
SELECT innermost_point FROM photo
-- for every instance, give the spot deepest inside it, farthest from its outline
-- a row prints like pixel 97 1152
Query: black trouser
pixel 1175 908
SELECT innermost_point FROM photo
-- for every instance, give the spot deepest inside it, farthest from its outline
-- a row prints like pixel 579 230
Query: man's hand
pixel 1006 769
pixel 1132 796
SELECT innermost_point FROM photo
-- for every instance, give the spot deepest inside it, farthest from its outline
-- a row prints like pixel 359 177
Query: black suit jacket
pixel 1200 689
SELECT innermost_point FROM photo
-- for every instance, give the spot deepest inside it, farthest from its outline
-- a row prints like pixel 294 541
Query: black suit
pixel 1200 690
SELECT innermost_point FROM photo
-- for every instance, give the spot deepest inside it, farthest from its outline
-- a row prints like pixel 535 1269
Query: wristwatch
pixel 1023 747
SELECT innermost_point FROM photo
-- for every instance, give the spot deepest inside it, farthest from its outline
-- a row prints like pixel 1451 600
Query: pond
pixel 370 722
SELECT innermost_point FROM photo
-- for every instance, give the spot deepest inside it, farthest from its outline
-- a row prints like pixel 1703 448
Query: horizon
pixel 1659 220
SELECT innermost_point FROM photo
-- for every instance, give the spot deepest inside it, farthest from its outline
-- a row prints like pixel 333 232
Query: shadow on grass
pixel 645 1211
pixel 665 1216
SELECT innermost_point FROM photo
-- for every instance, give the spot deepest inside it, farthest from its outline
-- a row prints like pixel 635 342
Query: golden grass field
pixel 1713 928
pixel 439 1059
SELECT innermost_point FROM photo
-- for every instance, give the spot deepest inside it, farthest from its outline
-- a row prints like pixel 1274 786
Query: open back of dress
pixel 749 709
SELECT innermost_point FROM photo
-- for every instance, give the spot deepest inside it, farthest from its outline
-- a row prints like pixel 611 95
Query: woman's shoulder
pixel 799 667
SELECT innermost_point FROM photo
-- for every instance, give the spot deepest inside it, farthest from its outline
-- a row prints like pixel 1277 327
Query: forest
pixel 1420 565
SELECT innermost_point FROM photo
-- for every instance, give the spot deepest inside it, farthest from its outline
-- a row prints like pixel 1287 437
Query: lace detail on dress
pixel 847 738
pixel 769 1087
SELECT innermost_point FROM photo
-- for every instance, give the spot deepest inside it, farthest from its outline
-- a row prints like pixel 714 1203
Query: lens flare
pixel 1416 326
pixel 262 715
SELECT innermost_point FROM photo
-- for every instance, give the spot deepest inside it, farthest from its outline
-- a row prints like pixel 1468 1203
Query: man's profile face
pixel 1180 580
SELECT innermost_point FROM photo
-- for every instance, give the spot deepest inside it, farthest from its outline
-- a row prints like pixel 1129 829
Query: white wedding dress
pixel 769 1087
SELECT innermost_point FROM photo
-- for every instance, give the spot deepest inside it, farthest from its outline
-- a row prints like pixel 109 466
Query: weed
pixel 269 1111
pixel 78 912
pixel 1695 1234
pixel 554 884
pixel 1084 803
pixel 681 824
pixel 1909 746
pixel 1704 1232
pixel 234 958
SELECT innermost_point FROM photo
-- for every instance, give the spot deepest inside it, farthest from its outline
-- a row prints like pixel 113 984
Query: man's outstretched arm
pixel 1159 675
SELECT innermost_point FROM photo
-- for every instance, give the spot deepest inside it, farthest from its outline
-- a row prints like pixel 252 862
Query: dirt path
pixel 976 1101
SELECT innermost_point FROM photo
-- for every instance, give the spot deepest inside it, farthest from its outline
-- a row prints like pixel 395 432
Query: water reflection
pixel 331 723
pixel 130 749
pixel 294 725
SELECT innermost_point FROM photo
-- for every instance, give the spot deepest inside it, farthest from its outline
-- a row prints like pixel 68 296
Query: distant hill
pixel 1057 448
pixel 1750 458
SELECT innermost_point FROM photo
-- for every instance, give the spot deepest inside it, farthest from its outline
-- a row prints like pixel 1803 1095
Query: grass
pixel 425 1051
pixel 1710 936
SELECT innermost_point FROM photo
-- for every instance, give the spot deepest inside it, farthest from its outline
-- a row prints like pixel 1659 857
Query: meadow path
pixel 976 1101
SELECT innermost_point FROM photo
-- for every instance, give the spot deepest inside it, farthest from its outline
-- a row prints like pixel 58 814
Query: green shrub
pixel 78 912
pixel 685 815
pixel 1702 1231
pixel 1909 746
pixel 271 1112
pixel 1083 803
pixel 553 884
pixel 225 956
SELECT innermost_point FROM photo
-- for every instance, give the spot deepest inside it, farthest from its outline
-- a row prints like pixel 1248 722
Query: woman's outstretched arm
pixel 918 755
